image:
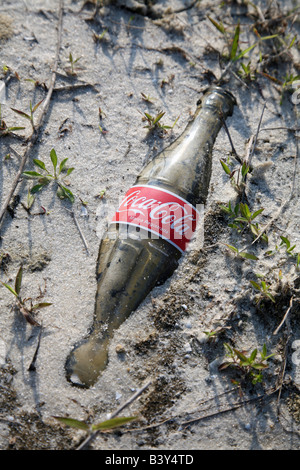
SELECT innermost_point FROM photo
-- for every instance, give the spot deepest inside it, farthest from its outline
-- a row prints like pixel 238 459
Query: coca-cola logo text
pixel 160 212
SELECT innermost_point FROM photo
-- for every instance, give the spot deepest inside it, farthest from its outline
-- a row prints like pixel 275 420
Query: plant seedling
pixel 72 63
pixel 247 72
pixel 213 334
pixel 154 121
pixel 233 40
pixel 264 290
pixel 287 84
pixel 147 98
pixel 101 194
pixel 32 111
pixel 27 312
pixel 285 242
pixel 243 218
pixel 43 179
pixel 248 366
pixel 99 37
pixel 237 176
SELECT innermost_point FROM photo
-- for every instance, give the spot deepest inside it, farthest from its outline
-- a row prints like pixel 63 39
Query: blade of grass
pixel 235 43
pixel 18 280
pixel 53 157
pixel 73 423
pixel 9 288
pixel 112 423
pixel 217 25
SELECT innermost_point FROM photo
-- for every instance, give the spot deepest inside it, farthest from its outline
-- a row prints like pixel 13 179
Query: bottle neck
pixel 185 166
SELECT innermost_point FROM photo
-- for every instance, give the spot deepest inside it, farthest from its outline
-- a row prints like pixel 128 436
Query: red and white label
pixel 161 212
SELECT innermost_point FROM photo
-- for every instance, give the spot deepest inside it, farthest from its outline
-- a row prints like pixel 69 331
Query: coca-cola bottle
pixel 150 231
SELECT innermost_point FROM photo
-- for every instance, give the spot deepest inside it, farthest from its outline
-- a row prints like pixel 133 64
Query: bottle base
pixel 86 361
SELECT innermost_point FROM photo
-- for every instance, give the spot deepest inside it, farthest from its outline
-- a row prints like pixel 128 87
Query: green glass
pixel 128 268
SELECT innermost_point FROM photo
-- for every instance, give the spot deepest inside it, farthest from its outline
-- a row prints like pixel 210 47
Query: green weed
pixel 243 219
pixel 30 115
pixel 233 40
pixel 147 98
pixel 27 311
pixel 237 176
pixel 45 178
pixel 72 61
pixel 289 249
pixel 99 37
pixel 264 289
pixel 249 367
pixel 154 122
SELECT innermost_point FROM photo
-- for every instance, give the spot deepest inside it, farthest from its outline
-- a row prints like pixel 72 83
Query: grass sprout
pixel 289 249
pixel 264 289
pixel 21 303
pixel 154 122
pixel 31 113
pixel 72 61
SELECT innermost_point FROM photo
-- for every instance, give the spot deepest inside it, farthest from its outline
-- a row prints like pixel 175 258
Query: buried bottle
pixel 150 231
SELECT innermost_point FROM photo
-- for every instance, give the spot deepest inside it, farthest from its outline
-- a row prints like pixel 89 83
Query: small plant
pixel 287 84
pixel 27 311
pixel 72 61
pixel 243 219
pixel 212 335
pixel 285 243
pixel 248 366
pixel 101 194
pixel 37 83
pixel 247 72
pixel 99 37
pixel 233 39
pixel 237 176
pixel 264 290
pixel 147 98
pixel 45 178
pixel 153 122
pixel 30 115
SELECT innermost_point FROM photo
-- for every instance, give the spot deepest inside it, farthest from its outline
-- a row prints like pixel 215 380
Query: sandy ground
pixel 170 57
